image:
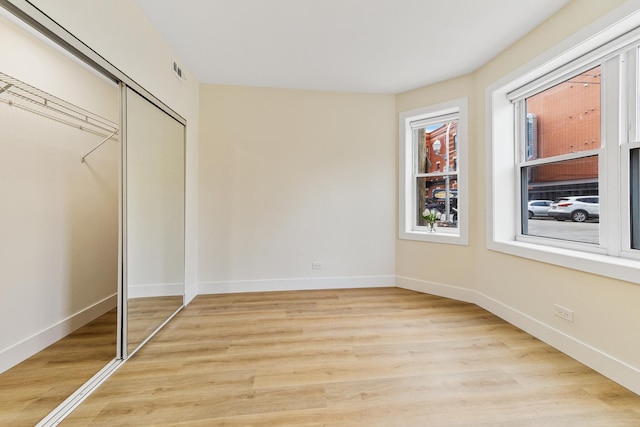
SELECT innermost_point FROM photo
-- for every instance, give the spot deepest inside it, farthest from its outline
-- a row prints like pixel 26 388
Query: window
pixel 432 163
pixel 565 158
pixel 561 147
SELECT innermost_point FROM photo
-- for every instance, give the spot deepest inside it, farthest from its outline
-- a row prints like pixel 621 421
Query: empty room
pixel 320 213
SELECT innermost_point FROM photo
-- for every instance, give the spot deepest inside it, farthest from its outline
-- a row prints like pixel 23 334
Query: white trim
pixel 438 289
pixel 295 284
pixel 603 265
pixel 445 116
pixel 155 290
pixel 615 369
pixel 560 158
pixel 578 65
pixel 190 293
pixel 17 353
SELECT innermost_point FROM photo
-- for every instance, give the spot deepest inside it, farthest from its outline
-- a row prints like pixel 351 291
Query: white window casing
pixel 409 121
pixel 615 49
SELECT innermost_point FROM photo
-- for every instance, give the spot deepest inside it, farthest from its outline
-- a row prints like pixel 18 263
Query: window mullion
pixel 436 174
pixel 631 93
pixel 520 113
pixel 560 158
pixel 414 152
pixel 613 132
pixel 628 158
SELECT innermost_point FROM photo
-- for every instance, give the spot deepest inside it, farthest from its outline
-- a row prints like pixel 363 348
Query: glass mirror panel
pixel 154 211
pixel 58 223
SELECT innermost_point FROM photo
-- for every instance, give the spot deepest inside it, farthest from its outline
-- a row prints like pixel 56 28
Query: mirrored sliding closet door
pixel 154 217
pixel 92 171
pixel 59 187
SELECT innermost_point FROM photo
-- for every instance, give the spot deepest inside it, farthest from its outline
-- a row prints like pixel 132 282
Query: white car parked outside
pixel 538 208
pixel 576 208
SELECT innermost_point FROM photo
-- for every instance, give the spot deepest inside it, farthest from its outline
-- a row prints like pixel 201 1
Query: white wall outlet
pixel 563 313
pixel 316 265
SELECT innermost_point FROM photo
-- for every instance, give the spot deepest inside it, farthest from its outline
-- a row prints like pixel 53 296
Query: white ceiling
pixel 375 46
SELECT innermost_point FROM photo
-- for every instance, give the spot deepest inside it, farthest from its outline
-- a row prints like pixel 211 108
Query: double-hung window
pixel 558 132
pixel 568 137
pixel 433 155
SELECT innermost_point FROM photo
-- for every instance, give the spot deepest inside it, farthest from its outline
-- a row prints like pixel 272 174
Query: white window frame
pixel 599 43
pixel 408 228
pixel 609 89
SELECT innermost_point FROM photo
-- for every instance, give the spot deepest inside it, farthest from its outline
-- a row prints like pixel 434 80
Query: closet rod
pixel 99 145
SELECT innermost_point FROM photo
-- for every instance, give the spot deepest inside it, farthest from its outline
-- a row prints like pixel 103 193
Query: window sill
pixel 614 267
pixel 437 237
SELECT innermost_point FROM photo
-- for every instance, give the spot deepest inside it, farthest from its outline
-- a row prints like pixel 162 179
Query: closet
pixel 92 219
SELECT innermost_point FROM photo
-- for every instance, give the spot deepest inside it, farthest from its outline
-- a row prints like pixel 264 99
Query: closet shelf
pixel 29 98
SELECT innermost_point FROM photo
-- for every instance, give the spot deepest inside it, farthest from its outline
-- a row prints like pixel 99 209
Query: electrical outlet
pixel 316 265
pixel 563 313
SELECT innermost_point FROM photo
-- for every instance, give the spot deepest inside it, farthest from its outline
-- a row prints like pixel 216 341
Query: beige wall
pixel 291 177
pixel 521 290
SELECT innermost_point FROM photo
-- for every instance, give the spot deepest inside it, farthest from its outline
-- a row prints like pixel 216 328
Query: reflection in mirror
pixel 58 225
pixel 154 193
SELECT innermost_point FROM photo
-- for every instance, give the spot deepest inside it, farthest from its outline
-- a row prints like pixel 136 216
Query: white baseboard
pixel 298 284
pixel 438 289
pixel 617 370
pixel 15 354
pixel 155 290
pixel 609 366
pixel 190 293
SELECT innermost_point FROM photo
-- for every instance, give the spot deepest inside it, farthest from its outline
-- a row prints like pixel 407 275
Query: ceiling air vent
pixel 178 71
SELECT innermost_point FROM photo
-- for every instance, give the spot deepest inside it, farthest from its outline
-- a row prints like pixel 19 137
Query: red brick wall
pixel 441 134
pixel 568 120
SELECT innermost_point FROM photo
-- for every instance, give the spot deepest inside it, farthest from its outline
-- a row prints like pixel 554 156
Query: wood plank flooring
pixel 356 357
pixel 145 315
pixel 35 387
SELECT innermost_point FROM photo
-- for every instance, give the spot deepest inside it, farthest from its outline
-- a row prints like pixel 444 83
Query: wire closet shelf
pixel 16 93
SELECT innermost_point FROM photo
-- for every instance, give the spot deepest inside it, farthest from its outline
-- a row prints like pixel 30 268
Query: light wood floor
pixel 35 387
pixel 145 315
pixel 365 357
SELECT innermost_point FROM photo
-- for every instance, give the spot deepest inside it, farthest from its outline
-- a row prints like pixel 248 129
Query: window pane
pixel 572 186
pixel 564 118
pixel 440 148
pixel 432 194
pixel 437 152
